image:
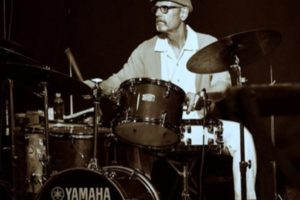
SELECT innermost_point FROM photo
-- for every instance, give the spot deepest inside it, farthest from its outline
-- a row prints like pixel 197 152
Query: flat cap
pixel 186 3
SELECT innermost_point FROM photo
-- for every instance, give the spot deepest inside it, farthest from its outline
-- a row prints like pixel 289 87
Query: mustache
pixel 160 20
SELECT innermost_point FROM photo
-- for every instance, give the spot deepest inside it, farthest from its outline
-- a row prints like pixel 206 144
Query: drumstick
pixel 73 63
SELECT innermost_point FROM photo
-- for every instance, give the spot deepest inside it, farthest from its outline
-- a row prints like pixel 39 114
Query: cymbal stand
pixel 46 161
pixel 243 164
pixel 93 164
pixel 185 173
pixel 11 119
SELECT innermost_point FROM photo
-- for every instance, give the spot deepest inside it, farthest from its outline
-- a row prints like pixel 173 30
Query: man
pixel 165 57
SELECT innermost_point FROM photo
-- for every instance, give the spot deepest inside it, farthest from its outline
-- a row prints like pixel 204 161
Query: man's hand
pixel 191 101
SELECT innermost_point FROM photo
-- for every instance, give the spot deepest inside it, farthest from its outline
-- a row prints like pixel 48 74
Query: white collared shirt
pixel 174 69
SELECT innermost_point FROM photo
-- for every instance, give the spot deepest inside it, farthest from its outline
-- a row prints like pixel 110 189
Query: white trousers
pixel 231 138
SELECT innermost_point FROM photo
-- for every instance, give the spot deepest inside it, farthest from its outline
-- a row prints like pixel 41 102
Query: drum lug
pixel 163 118
pixel 167 92
pixel 188 129
pixel 127 113
pixel 132 88
pixel 219 134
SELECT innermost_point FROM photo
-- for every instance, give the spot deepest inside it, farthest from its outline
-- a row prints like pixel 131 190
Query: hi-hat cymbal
pixel 13 52
pixel 34 75
pixel 248 47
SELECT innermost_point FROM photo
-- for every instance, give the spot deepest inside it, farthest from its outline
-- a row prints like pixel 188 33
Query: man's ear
pixel 184 13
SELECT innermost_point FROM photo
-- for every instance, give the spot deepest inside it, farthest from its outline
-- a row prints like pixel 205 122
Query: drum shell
pixel 71 145
pixel 198 136
pixel 35 157
pixel 151 111
pixel 149 99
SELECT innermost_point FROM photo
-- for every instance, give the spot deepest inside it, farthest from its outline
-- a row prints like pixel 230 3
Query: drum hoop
pixel 71 136
pixel 145 180
pixel 198 122
pixel 158 82
pixel 30 129
pixel 147 120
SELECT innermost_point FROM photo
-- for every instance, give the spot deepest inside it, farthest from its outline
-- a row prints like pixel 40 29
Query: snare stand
pixel 93 164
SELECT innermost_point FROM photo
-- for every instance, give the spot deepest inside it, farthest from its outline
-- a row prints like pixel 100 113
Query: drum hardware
pixel 132 88
pixel 185 174
pixel 163 118
pixel 93 164
pixel 11 122
pixel 167 93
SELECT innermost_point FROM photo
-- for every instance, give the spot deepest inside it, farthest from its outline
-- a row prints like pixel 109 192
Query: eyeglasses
pixel 163 9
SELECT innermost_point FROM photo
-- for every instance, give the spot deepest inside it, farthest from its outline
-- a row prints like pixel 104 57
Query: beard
pixel 161 27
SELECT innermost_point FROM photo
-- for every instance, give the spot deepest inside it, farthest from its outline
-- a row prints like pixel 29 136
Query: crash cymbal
pixel 248 47
pixel 33 75
pixel 13 52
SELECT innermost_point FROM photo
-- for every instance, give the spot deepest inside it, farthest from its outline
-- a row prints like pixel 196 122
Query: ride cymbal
pixel 243 48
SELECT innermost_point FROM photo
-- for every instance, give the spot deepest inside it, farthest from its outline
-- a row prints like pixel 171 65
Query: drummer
pixel 165 57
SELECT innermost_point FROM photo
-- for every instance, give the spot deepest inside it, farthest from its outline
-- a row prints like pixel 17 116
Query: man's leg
pixel 231 135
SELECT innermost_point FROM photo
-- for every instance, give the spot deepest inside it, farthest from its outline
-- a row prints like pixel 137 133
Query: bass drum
pixel 111 182
pixel 132 182
pixel 79 183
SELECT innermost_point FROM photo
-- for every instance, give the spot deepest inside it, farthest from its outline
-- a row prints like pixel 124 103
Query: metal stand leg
pixel 243 164
pixel 185 173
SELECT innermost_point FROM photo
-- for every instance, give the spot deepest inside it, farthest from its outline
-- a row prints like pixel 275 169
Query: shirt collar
pixel 191 42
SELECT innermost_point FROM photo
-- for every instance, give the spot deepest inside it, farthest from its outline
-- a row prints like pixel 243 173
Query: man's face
pixel 169 21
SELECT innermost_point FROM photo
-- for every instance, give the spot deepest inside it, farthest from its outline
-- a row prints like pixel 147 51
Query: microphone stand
pixel 243 164
pixel 12 129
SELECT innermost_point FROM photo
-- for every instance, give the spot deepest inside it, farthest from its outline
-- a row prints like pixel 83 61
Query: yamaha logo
pixel 80 193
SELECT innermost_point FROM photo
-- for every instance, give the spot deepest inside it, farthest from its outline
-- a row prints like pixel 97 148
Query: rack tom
pixel 150 114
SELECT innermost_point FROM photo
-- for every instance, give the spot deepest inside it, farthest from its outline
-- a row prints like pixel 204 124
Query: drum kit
pixel 62 159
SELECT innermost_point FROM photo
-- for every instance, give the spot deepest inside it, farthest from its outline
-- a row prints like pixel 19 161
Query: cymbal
pixel 248 47
pixel 278 99
pixel 34 75
pixel 14 52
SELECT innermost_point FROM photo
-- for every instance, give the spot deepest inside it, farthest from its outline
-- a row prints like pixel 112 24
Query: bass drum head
pixel 132 182
pixel 79 183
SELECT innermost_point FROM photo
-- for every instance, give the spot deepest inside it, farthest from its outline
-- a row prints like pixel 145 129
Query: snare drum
pixel 197 132
pixel 197 136
pixel 111 182
pixel 151 111
pixel 71 145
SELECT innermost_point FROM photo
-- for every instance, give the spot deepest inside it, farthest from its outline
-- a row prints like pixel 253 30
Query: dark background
pixel 102 34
